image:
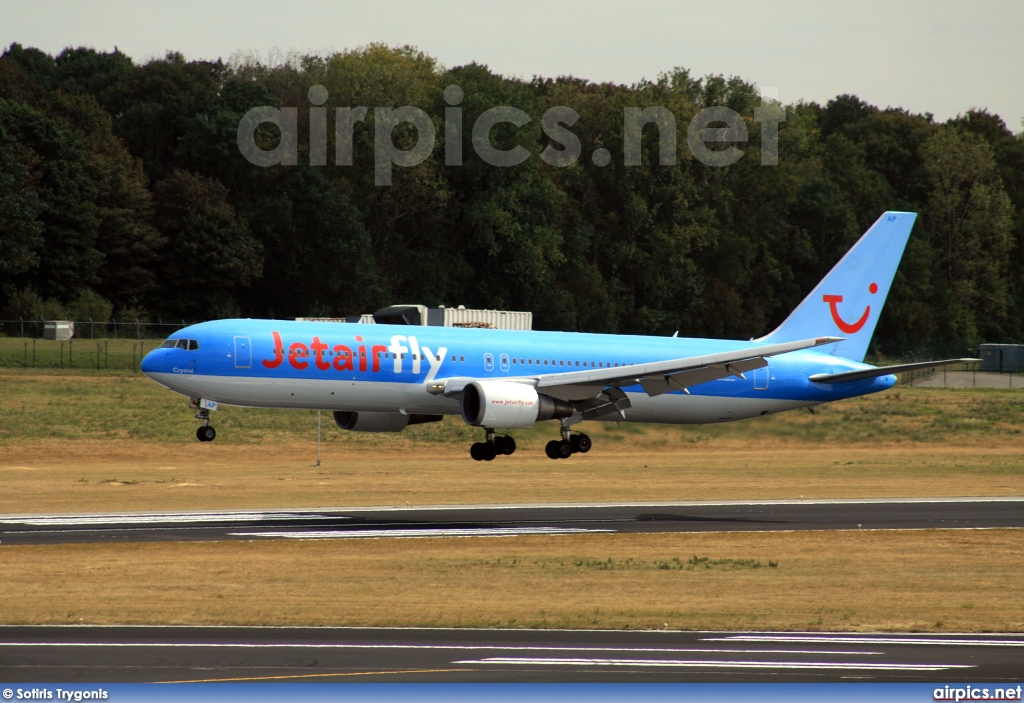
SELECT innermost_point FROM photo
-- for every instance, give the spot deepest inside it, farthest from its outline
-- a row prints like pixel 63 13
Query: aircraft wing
pixel 847 376
pixel 660 377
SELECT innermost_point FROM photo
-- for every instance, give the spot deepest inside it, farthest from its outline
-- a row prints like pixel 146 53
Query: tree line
pixel 123 192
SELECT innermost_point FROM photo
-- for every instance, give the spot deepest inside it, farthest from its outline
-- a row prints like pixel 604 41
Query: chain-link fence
pixel 95 329
pixel 108 345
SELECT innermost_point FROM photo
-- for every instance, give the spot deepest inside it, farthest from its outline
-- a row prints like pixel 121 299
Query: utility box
pixel 494 319
pixel 365 319
pixel 461 316
pixel 61 330
pixel 1002 358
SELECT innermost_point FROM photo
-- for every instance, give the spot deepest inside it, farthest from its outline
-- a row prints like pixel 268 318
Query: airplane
pixel 384 378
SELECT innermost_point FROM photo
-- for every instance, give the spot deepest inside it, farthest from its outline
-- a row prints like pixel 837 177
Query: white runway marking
pixel 711 663
pixel 856 639
pixel 421 533
pixel 458 647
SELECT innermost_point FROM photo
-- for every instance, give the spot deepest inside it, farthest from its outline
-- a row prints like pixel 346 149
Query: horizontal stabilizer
pixel 848 376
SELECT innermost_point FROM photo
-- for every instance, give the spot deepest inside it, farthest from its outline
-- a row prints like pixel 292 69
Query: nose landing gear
pixel 492 447
pixel 205 432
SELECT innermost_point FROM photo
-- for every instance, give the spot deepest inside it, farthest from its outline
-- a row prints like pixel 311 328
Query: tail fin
pixel 849 300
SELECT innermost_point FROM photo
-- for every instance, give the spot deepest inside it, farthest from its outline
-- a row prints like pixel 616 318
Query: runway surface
pixel 507 520
pixel 189 654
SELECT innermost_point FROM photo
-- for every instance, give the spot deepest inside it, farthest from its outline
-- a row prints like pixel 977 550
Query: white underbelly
pixel 310 394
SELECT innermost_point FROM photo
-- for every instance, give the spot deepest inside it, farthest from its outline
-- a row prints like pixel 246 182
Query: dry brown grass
pixel 102 442
pixel 96 476
pixel 928 580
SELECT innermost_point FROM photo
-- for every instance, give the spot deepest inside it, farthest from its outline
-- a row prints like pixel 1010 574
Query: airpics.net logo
pixel 719 125
pixel 977 693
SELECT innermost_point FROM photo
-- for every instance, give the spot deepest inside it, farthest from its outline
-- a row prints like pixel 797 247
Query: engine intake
pixel 380 422
pixel 503 405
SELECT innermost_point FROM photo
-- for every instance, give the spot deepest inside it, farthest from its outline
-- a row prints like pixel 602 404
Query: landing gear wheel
pixel 488 451
pixel 551 449
pixel 475 451
pixel 206 433
pixel 581 443
pixel 505 445
pixel 558 449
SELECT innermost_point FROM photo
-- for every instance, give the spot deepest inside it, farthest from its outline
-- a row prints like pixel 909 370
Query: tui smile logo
pixel 848 327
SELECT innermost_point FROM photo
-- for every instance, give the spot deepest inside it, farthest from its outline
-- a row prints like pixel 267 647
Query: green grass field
pixel 74 355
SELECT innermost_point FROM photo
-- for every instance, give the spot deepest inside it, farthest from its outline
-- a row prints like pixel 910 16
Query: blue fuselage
pixel 387 368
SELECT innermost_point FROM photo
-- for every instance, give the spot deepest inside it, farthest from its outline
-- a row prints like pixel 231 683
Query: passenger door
pixel 243 353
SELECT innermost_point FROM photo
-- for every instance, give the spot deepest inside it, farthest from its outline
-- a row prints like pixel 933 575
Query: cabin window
pixel 462 358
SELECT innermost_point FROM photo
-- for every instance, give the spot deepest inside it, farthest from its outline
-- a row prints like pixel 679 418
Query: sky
pixel 939 56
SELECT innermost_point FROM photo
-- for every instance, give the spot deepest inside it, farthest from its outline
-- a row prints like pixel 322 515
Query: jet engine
pixel 504 404
pixel 380 422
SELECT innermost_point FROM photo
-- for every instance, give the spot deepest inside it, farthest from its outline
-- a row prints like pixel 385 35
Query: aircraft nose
pixel 150 363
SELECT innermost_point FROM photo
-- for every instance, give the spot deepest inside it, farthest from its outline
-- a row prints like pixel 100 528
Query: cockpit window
pixel 189 344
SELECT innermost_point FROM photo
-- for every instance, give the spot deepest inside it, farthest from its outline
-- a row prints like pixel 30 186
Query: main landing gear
pixel 492 447
pixel 569 444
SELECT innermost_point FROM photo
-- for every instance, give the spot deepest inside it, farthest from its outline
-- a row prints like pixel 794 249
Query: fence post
pixel 92 329
pixel 22 326
pixel 138 329
pixel 114 320
pixel 133 356
pixel 97 356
